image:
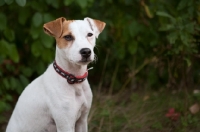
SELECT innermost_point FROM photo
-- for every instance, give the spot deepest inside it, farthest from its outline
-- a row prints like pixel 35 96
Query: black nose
pixel 85 52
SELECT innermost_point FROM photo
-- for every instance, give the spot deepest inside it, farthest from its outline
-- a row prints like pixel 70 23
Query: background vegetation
pixel 148 59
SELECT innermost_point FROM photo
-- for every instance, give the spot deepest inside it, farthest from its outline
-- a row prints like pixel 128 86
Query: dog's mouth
pixel 85 61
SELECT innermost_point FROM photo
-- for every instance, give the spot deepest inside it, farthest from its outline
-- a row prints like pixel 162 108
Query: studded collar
pixel 71 79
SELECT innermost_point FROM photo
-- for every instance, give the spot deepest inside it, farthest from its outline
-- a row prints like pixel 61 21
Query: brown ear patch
pixel 100 25
pixel 58 29
pixel 61 42
pixel 47 31
pixel 54 28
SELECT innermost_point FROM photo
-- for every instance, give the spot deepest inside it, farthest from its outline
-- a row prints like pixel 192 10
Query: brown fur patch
pixel 61 41
pixel 58 29
pixel 100 25
pixel 54 28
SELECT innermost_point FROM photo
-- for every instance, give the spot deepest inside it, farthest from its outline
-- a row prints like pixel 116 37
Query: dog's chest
pixel 83 100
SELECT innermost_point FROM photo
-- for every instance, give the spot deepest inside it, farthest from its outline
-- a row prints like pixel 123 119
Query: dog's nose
pixel 85 52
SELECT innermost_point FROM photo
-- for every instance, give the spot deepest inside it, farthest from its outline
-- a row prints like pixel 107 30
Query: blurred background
pixel 146 78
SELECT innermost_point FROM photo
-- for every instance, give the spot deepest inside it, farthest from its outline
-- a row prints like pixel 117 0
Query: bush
pixel 146 44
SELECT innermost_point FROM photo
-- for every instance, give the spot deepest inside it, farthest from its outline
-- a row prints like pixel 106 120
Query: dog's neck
pixel 77 70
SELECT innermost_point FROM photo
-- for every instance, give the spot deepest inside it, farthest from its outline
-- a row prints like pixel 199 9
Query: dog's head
pixel 75 39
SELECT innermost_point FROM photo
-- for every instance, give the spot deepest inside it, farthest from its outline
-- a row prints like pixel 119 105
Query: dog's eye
pixel 89 34
pixel 69 37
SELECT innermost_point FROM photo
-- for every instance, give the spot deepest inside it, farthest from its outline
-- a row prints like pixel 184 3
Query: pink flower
pixel 171 114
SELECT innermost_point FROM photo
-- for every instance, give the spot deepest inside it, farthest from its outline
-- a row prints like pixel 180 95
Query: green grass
pixel 143 112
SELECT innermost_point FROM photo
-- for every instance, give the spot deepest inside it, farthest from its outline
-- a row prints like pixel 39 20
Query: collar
pixel 71 79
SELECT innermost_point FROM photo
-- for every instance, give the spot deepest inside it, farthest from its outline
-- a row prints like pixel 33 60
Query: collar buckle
pixel 71 79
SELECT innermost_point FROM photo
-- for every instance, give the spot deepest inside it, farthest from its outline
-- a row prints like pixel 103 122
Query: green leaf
pixel 40 67
pixel 6 83
pixel 35 32
pixel 49 1
pixel 82 3
pixel 13 53
pixel 121 53
pixel 4 48
pixel 55 4
pixel 47 41
pixel 182 4
pixel 166 27
pixel 13 83
pixel 47 17
pixel 157 125
pixel 132 47
pixel 24 14
pixel 2 2
pixel 24 80
pixel 8 97
pixel 16 85
pixel 188 61
pixel 36 48
pixel 164 14
pixel 10 68
pixel 38 6
pixel 47 55
pixel 2 58
pixel 9 2
pixel 134 28
pixel 9 50
pixel 9 34
pixel 154 43
pixel 190 28
pixel 21 2
pixel 3 21
pixel 3 106
pixel 172 37
pixel 37 19
pixel 67 2
pixel 185 38
pixel 27 71
pixel 104 113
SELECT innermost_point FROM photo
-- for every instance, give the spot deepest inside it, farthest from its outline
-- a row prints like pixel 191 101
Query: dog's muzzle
pixel 85 53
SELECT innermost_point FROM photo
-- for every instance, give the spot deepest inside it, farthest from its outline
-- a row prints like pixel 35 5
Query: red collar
pixel 71 79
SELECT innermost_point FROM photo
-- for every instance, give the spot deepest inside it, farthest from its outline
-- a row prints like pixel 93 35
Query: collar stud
pixel 71 79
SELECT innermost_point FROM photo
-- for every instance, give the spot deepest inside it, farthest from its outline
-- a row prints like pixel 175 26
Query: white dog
pixel 60 99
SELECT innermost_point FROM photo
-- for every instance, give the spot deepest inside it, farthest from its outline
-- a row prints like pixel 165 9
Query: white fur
pixel 49 103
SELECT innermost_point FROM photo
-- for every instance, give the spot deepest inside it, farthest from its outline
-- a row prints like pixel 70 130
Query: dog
pixel 60 99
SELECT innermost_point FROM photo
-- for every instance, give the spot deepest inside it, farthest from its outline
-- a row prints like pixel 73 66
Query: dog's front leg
pixel 82 124
pixel 65 122
pixel 64 116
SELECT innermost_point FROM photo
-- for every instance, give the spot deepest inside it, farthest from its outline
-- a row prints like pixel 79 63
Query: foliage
pixel 142 112
pixel 146 43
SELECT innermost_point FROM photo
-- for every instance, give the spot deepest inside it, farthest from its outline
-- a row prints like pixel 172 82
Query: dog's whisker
pixel 95 58
pixel 90 68
pixel 97 47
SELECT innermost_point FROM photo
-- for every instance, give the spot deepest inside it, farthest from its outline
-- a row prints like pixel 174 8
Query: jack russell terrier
pixel 60 99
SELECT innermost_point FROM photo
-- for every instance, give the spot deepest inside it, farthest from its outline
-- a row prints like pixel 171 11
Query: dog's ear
pixel 96 25
pixel 54 28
